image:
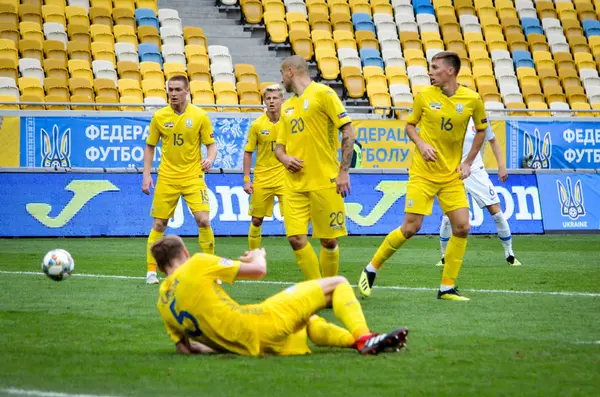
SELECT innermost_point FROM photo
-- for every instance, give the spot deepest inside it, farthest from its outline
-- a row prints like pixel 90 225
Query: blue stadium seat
pixel 417 3
pixel 591 27
pixel 371 57
pixel 363 21
pixel 150 53
pixel 424 9
pixel 523 59
pixel 146 17
pixel 531 26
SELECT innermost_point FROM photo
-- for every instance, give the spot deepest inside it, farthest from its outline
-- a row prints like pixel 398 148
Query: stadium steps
pixel 223 28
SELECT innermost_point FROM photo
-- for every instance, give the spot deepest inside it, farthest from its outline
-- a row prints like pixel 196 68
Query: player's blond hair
pixel 273 88
pixel 165 250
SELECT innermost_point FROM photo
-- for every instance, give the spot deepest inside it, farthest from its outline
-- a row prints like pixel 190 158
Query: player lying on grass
pixel 201 317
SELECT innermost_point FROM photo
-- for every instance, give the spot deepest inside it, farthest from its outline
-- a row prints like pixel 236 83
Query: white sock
pixel 445 233
pixel 370 268
pixel 504 233
pixel 445 288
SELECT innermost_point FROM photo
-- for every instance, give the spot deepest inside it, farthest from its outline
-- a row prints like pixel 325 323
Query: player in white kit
pixel 483 193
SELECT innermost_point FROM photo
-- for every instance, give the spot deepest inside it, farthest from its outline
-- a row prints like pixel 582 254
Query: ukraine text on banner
pixel 570 201
pixel 112 204
pixel 114 142
pixel 553 144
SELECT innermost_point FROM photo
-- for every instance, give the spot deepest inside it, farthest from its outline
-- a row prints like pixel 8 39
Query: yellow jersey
pixel 309 129
pixel 193 303
pixel 443 124
pixel 181 136
pixel 268 171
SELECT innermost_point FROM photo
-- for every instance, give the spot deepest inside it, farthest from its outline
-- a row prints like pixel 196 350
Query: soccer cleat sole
pixel 386 343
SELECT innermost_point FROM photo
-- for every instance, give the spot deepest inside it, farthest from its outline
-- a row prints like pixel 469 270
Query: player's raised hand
pixel 206 165
pixel 464 170
pixel 342 183
pixel 249 256
pixel 428 152
pixel 147 184
pixel 293 164
pixel 249 187
pixel 502 174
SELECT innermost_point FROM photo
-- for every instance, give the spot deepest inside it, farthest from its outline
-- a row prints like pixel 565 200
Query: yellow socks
pixel 206 239
pixel 322 333
pixel 455 253
pixel 330 261
pixel 308 262
pixel 349 311
pixel 254 237
pixel 390 245
pixel 152 238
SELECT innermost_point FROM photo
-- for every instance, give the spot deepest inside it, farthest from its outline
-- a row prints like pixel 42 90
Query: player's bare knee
pixel 160 225
pixel 461 230
pixel 257 222
pixel 297 242
pixel 494 209
pixel 202 219
pixel 329 243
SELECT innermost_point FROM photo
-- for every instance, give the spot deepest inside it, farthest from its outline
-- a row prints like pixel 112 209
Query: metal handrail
pixel 262 107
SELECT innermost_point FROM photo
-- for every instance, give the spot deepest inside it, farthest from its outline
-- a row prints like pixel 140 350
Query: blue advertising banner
pixel 553 144
pixel 570 201
pixel 72 204
pixel 114 142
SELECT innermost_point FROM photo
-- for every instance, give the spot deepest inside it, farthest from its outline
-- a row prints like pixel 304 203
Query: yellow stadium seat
pixel 27 13
pixel 581 106
pixel 56 86
pixel 31 31
pixel 102 51
pixel 251 101
pixel 301 44
pixel 28 49
pixel 329 68
pixel 199 86
pixel 31 86
pixel 252 11
pixel 321 23
pixel 32 98
pixel 341 24
pixel 56 68
pixel 131 100
pixel 8 98
pixel 538 106
pixel 277 30
pixel 102 33
pixel 151 70
pixel 219 86
pixel 155 91
pixel 383 8
pixel 405 37
pixel 8 68
pixel 574 90
pixel 191 35
pixel 79 33
pixel 204 97
pixel 129 70
pixel 105 88
pixel 128 4
pixel 381 100
pixel 174 69
pixel 81 87
pixel 105 100
pixel 55 50
pixel 354 83
pixel 124 17
pixel 227 97
pixel 361 8
pixel 8 50
pixel 54 14
pixel 79 50
pixel 101 16
pixel 77 15
pixel 57 98
pixel 108 4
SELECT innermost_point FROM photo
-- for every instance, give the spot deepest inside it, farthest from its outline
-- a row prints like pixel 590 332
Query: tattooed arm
pixel 343 179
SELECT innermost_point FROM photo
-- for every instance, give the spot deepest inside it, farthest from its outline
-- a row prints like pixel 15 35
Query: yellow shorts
pixel 282 325
pixel 167 193
pixel 263 199
pixel 325 208
pixel 420 192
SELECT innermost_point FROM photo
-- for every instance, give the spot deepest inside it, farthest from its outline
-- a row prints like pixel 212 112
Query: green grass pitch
pixel 92 335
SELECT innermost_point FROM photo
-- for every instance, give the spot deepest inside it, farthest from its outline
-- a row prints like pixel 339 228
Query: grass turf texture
pixel 104 335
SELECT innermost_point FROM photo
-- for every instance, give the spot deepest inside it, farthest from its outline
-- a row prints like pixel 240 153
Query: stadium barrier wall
pixel 117 139
pixel 90 202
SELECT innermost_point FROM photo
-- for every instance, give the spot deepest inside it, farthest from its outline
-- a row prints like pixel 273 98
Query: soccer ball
pixel 58 264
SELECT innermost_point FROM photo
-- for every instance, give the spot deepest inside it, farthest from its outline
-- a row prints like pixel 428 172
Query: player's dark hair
pixel 450 59
pixel 165 250
pixel 183 79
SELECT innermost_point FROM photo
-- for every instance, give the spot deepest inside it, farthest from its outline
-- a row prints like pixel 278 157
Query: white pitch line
pixel 39 393
pixel 588 342
pixel 385 287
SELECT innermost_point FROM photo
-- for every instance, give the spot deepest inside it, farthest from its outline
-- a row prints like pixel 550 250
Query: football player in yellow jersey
pixel 316 183
pixel 268 171
pixel 200 317
pixel 442 112
pixel 181 127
